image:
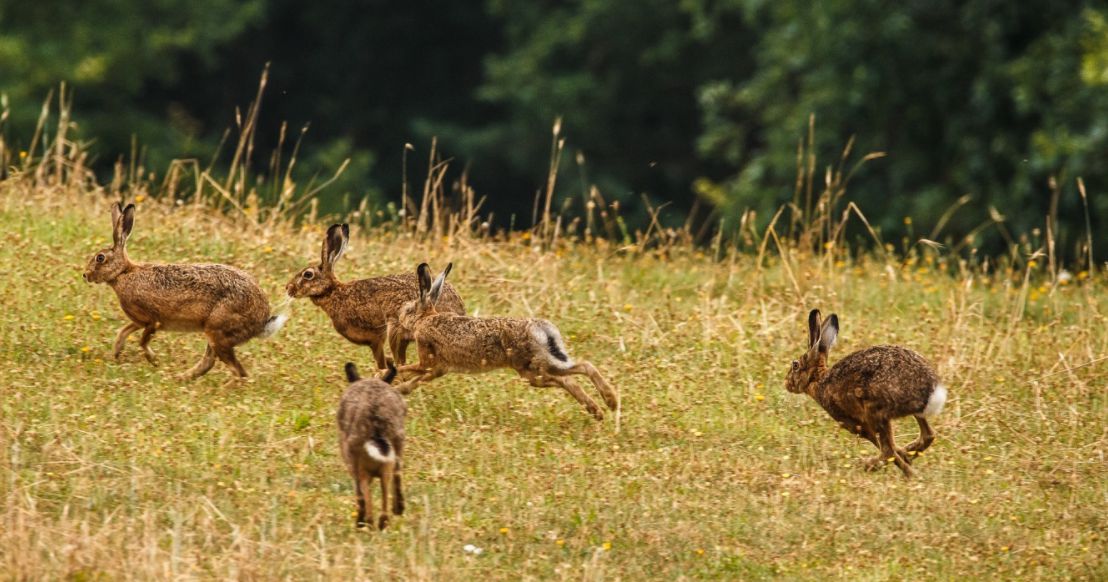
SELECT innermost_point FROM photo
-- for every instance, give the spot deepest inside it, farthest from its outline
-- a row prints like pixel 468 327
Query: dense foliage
pixel 673 100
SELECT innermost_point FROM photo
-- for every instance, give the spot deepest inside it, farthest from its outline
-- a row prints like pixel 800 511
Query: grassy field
pixel 114 470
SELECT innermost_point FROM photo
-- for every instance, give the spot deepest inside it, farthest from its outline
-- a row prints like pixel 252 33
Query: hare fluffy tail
pixel 273 325
pixel 935 402
pixel 379 450
pixel 550 340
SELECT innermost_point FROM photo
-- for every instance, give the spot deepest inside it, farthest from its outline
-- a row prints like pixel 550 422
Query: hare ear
pixel 813 328
pixel 124 225
pixel 436 287
pixel 423 273
pixel 117 213
pixel 829 333
pixel 390 372
pixel 352 372
pixel 334 245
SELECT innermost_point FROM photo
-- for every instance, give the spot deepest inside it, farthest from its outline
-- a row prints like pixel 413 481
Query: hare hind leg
pixel 364 482
pixel 386 478
pixel 926 437
pixel 206 362
pixel 397 493
pixel 226 354
pixel 548 381
pixel 585 368
pixel 121 337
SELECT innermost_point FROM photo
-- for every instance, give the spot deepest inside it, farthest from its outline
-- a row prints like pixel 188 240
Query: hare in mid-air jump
pixel 361 310
pixel 866 390
pixel 448 342
pixel 223 302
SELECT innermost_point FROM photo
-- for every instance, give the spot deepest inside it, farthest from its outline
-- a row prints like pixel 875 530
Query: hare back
pixel 881 382
pixel 371 412
pixel 191 297
pixel 462 343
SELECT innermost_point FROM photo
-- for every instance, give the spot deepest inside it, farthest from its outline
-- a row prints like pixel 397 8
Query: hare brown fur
pixel 866 390
pixel 361 310
pixel 223 302
pixel 448 342
pixel 371 441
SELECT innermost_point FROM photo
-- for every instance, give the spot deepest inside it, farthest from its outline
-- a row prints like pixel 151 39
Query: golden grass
pixel 116 471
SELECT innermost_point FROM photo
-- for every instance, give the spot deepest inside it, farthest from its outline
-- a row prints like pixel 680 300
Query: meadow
pixel 115 470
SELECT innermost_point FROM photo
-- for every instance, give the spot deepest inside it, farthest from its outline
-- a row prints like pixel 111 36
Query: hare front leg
pixel 884 430
pixel 121 337
pixel 144 343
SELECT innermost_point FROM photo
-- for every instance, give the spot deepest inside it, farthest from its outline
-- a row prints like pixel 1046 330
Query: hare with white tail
pixel 223 302
pixel 371 441
pixel 448 342
pixel 865 391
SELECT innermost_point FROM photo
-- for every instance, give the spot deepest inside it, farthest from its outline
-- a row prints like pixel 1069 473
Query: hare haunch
pixel 866 390
pixel 371 441
pixel 448 342
pixel 223 302
pixel 361 310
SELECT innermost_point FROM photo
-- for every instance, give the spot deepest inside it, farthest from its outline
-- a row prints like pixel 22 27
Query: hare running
pixel 223 302
pixel 371 441
pixel 865 391
pixel 448 342
pixel 361 310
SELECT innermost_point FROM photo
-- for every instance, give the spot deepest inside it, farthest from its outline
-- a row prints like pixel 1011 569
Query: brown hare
pixel 361 310
pixel 448 342
pixel 223 302
pixel 371 441
pixel 865 391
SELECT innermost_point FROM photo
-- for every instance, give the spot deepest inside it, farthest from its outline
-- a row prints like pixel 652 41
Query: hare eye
pixel 100 258
pixel 307 275
pixel 796 365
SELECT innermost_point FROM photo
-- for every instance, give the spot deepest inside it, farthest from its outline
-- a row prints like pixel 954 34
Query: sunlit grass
pixel 116 470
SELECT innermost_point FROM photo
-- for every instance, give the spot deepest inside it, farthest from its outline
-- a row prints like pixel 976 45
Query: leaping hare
pixel 448 342
pixel 361 310
pixel 865 391
pixel 371 441
pixel 223 302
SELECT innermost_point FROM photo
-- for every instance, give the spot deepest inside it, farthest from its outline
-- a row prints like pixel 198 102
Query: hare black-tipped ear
pixel 351 372
pixel 334 245
pixel 126 223
pixel 117 214
pixel 390 372
pixel 829 333
pixel 813 327
pixel 423 273
pixel 436 287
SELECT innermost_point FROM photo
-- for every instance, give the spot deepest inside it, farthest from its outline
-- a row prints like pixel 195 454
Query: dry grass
pixel 116 471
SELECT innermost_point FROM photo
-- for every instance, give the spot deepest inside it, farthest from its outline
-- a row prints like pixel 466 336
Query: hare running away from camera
pixel 223 302
pixel 865 391
pixel 448 342
pixel 361 310
pixel 371 441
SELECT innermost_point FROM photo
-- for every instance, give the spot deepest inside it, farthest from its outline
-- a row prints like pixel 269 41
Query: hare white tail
pixel 550 340
pixel 935 402
pixel 379 450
